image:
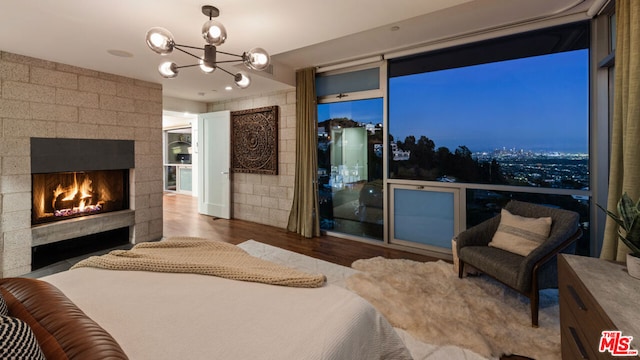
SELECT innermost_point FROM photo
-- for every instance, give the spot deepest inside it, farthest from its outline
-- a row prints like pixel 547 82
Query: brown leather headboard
pixel 61 328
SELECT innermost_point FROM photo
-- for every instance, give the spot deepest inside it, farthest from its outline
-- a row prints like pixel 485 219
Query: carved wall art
pixel 254 141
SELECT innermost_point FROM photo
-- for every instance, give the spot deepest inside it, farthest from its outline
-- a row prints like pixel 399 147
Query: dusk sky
pixel 365 111
pixel 537 103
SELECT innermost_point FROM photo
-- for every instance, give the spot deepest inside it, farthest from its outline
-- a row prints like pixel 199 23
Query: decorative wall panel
pixel 254 141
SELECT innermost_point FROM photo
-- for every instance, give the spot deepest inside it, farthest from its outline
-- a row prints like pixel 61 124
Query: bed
pixel 164 315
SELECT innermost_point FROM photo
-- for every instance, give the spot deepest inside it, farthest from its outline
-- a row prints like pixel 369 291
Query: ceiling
pixel 297 33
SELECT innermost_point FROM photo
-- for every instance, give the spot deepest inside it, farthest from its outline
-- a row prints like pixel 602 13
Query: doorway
pixel 179 153
pixel 178 160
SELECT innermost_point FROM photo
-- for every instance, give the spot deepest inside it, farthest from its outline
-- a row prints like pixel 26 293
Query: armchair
pixel 525 274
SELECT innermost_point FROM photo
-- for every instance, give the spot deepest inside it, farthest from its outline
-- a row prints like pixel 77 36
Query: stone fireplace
pixel 51 101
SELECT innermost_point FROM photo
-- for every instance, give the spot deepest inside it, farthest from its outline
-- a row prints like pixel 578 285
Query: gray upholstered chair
pixel 529 274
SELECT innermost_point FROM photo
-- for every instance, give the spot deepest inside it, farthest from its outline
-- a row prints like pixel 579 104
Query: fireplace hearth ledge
pixel 81 226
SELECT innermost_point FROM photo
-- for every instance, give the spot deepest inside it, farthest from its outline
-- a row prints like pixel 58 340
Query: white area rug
pixel 338 275
pixel 430 302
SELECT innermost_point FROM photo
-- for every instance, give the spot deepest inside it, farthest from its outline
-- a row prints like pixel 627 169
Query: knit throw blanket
pixel 201 256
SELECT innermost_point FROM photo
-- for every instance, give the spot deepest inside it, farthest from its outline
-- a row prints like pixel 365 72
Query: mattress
pixel 189 316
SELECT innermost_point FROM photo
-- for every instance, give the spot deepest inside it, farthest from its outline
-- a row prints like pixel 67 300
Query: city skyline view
pixel 535 103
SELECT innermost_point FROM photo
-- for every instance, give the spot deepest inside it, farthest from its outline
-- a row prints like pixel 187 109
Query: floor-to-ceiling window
pixel 480 124
pixel 460 131
pixel 350 153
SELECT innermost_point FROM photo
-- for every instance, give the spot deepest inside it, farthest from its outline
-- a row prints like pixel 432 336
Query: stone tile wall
pixel 267 199
pixel 45 99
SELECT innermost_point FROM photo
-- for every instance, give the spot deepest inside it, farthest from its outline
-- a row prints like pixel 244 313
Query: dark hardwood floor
pixel 181 218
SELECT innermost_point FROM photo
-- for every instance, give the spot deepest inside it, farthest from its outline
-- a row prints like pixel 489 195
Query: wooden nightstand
pixel 595 296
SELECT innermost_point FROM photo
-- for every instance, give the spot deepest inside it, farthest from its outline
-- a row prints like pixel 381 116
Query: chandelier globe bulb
pixel 242 80
pixel 160 40
pixel 257 59
pixel 168 70
pixel 214 33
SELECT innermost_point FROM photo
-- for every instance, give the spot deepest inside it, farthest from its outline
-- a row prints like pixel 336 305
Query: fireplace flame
pixel 72 191
pixel 77 195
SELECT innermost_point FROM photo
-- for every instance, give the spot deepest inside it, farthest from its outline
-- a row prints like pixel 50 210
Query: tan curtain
pixel 303 217
pixel 624 173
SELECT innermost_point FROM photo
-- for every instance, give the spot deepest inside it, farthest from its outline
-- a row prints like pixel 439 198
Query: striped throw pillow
pixel 519 234
pixel 17 340
pixel 3 306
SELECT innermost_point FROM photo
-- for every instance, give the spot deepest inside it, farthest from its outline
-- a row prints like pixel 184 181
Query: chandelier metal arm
pixel 186 66
pixel 190 47
pixel 228 61
pixel 177 47
pixel 226 71
pixel 186 52
pixel 217 62
pixel 230 54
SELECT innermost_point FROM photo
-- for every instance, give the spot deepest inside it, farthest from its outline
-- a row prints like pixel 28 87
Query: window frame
pixel 363 95
pixel 602 81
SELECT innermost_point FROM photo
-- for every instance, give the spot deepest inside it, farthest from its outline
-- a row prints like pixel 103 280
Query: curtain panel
pixel 303 217
pixel 624 173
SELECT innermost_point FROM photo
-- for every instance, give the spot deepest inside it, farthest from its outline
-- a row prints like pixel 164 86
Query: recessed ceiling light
pixel 228 88
pixel 201 93
pixel 120 53
pixel 395 28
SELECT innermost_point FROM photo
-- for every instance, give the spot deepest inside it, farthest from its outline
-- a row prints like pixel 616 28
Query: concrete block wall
pixel 267 199
pixel 40 98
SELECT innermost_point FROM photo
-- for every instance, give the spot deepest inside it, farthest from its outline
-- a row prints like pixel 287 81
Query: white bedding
pixel 188 316
pixel 337 274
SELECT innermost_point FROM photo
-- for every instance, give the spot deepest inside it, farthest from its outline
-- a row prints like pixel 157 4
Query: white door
pixel 214 159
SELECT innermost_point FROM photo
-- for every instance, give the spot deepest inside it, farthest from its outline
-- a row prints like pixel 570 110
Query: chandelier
pixel 161 41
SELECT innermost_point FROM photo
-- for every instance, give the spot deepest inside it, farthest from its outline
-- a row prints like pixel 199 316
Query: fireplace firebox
pixel 65 195
pixel 80 191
